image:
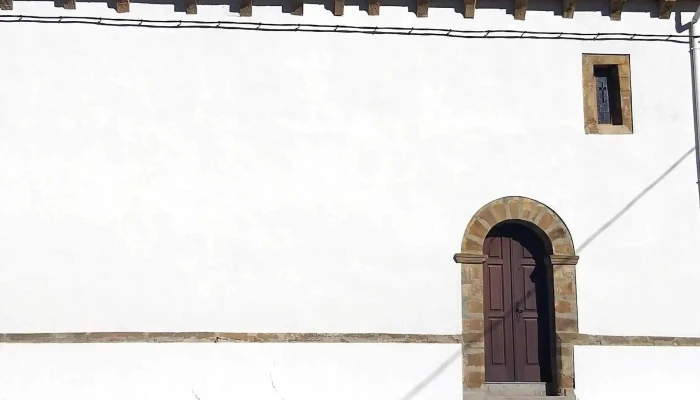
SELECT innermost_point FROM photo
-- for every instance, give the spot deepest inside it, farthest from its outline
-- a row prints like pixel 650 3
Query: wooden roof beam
pixel 520 9
pixel 246 9
pixel 373 7
pixel 568 7
pixel 338 7
pixel 6 5
pixel 665 8
pixel 422 8
pixel 469 8
pixel 297 7
pixel 616 9
pixel 190 6
pixel 122 6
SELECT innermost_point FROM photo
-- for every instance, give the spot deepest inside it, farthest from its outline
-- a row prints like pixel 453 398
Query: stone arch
pixel 562 259
pixel 518 208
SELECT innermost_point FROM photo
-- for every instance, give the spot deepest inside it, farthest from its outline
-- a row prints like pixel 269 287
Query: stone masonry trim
pixel 590 108
pixel 244 337
pixel 578 339
pixel 551 228
pixel 606 340
pixel 517 208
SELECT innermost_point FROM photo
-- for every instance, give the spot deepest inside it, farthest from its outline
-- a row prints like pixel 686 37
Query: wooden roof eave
pixel 666 7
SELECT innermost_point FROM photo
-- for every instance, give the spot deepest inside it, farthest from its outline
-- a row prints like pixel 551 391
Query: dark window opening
pixel 607 85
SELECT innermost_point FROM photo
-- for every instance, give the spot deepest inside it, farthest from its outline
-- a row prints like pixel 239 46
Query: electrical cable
pixel 371 30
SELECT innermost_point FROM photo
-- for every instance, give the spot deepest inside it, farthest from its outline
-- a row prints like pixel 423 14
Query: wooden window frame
pixel 590 109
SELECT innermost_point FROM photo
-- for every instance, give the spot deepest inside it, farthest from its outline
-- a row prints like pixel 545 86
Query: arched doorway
pixel 546 247
pixel 518 308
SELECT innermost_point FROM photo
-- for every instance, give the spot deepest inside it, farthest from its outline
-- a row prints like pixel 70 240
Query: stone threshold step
pixel 510 397
pixel 516 389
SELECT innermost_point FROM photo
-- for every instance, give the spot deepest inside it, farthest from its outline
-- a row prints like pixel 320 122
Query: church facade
pixel 348 200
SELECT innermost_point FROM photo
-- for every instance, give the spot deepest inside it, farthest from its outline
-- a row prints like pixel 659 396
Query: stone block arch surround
pixel 563 259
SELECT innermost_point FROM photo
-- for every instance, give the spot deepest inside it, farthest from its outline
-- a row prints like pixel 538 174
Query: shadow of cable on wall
pixel 431 377
pixel 634 200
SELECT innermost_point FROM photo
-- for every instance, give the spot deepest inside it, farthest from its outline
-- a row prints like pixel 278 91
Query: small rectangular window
pixel 607 94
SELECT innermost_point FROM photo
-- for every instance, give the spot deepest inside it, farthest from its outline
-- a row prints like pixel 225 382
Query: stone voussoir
pixel 498 209
pixel 526 209
pixel 546 221
pixel 477 229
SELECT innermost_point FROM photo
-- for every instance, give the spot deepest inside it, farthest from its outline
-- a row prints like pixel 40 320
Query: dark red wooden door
pixel 514 278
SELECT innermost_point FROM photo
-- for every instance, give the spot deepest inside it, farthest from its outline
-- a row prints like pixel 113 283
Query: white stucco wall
pixel 230 371
pixel 646 373
pixel 186 371
pixel 208 180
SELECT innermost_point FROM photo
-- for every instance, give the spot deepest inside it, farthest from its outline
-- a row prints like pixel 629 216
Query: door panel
pixel 531 342
pixel 496 285
pixel 498 341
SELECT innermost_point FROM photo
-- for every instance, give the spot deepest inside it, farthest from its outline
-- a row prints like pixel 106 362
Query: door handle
pixel 518 311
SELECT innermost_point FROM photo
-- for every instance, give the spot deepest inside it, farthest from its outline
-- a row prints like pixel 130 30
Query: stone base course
pixel 180 337
pixel 471 344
